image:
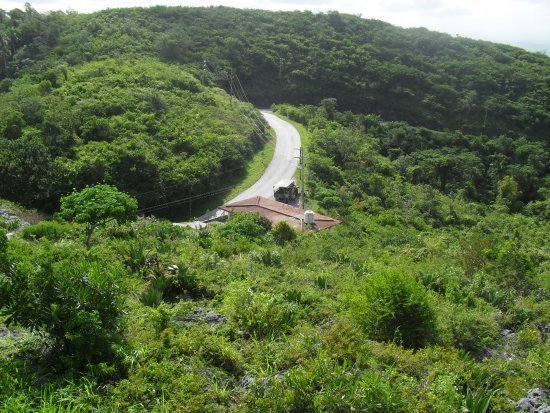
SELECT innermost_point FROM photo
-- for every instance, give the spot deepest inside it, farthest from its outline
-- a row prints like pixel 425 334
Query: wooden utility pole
pixel 302 178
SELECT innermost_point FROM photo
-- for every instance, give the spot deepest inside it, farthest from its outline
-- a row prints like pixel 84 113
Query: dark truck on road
pixel 285 191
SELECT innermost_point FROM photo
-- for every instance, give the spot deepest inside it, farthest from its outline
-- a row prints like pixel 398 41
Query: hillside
pixel 432 296
pixel 414 75
pixel 147 127
pixel 419 302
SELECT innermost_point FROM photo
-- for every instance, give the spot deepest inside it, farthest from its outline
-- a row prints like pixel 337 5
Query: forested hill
pixel 148 127
pixel 425 78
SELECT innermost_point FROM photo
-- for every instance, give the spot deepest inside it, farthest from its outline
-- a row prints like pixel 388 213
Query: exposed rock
pixel 173 269
pixel 508 334
pixel 11 216
pixel 247 382
pixel 6 333
pixel 535 402
pixel 545 331
pixel 198 315
pixel 524 405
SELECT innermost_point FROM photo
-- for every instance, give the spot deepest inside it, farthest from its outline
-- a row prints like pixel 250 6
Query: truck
pixel 286 191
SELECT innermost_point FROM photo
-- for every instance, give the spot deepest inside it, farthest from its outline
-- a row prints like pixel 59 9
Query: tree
pixel 96 206
pixel 509 194
pixel 26 169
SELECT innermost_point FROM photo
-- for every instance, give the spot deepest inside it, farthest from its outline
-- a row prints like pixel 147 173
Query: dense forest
pixel 414 75
pixel 431 296
pixel 149 128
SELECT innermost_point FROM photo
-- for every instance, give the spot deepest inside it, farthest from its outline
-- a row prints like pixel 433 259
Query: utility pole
pixel 203 73
pixel 281 62
pixel 302 178
pixel 231 87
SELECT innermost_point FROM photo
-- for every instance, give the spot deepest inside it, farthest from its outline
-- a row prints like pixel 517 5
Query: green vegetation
pixel 76 306
pixel 150 129
pixel 414 75
pixel 52 230
pixel 403 308
pixel 97 205
pixel 395 307
pixel 431 296
pixel 230 316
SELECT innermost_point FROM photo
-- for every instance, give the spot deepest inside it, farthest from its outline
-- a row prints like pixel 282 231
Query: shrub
pixel 513 266
pixel 395 306
pixel 9 224
pixel 268 257
pixel 246 224
pixel 170 285
pixel 151 297
pixel 3 252
pixel 77 306
pixel 260 314
pixel 283 233
pixel 471 329
pixel 473 252
pixel 3 241
pixel 323 385
pixel 478 401
pixel 529 337
pixel 51 230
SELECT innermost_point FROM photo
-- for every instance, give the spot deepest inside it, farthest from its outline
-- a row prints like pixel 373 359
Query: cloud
pixel 410 5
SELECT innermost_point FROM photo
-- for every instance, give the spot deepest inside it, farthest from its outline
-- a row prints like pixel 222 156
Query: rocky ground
pixel 537 401
pixel 13 221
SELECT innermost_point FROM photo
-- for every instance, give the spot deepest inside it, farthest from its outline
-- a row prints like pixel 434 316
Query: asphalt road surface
pixel 284 162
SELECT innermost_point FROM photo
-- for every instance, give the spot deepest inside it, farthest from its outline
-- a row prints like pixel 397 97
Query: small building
pixel 276 211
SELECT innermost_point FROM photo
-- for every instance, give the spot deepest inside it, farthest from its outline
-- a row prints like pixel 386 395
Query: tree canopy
pixel 97 205
pixel 149 128
pixel 415 75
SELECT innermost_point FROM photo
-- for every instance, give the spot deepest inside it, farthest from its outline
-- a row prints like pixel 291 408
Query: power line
pixel 184 200
pixel 225 171
pixel 237 90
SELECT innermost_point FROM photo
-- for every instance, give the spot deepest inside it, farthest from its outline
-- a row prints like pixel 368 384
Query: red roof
pixel 276 211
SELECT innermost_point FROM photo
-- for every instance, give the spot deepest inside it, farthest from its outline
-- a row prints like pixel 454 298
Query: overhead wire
pixel 236 90
pixel 184 200
pixel 240 94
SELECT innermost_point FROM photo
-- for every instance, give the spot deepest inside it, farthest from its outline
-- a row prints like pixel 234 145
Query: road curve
pixel 284 162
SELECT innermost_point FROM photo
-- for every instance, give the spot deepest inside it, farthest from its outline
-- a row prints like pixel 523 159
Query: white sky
pixel 525 23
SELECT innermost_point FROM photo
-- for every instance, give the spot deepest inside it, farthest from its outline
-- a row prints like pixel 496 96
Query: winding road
pixel 284 162
pixel 282 166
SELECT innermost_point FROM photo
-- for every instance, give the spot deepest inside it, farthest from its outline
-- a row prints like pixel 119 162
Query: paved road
pixel 282 166
pixel 284 162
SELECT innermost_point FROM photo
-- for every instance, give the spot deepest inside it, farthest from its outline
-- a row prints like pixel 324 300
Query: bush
pixel 3 250
pixel 3 241
pixel 472 330
pixel 78 307
pixel 171 285
pixel 246 224
pixel 51 230
pixel 260 314
pixel 283 233
pixel 268 257
pixel 9 224
pixel 396 307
